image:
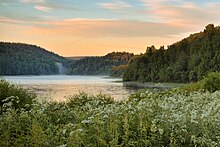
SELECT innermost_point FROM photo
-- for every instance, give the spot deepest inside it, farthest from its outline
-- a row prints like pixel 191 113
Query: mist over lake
pixel 57 87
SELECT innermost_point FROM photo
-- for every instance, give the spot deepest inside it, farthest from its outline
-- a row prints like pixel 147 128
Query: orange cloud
pixel 80 36
pixel 112 28
pixel 183 11
pixel 170 21
pixel 59 37
pixel 8 20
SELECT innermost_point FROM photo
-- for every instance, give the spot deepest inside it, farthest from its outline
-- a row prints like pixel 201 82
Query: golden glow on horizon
pixel 72 28
pixel 89 37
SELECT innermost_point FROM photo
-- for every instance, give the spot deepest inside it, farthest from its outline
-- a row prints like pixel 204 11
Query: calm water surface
pixel 57 87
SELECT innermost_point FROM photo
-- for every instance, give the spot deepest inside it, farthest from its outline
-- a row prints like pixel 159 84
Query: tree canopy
pixel 185 61
pixel 25 59
pixel 99 65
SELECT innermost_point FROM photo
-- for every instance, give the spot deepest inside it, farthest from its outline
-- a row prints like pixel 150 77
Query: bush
pixel 209 83
pixel 82 99
pixel 19 97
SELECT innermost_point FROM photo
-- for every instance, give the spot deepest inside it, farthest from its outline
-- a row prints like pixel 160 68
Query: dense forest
pixel 25 59
pixel 99 65
pixel 185 61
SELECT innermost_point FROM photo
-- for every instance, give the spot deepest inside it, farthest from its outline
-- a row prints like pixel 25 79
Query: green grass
pixel 169 118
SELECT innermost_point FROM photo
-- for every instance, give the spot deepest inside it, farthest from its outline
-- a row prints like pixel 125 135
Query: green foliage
pixel 82 99
pixel 24 59
pixel 14 96
pixel 169 118
pixel 118 71
pixel 188 60
pixel 211 83
pixel 99 65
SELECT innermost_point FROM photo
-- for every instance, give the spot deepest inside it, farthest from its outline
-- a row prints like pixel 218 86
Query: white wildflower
pixel 64 131
pixel 160 131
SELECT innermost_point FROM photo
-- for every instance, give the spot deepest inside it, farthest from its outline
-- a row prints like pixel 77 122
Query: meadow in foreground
pixel 187 116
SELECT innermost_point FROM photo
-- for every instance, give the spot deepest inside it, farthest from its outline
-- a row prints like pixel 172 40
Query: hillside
pixel 99 65
pixel 185 61
pixel 76 57
pixel 25 59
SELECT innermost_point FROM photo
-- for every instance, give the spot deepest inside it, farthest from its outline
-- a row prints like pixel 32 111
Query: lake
pixel 57 87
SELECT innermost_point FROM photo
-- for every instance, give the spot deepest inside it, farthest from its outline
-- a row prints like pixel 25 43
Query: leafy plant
pixel 19 97
pixel 211 83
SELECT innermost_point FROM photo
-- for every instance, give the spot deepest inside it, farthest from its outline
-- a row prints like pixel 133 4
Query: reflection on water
pixel 56 87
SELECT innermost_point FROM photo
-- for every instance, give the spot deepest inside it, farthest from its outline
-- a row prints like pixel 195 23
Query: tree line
pixel 99 65
pixel 25 59
pixel 185 61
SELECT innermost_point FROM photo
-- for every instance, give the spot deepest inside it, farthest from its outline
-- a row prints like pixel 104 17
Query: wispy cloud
pixel 8 20
pixel 180 11
pixel 118 5
pixel 46 6
pixel 85 27
pixel 103 25
pixel 8 1
pixel 32 1
pixel 42 8
pixel 40 5
pixel 113 28
pixel 26 21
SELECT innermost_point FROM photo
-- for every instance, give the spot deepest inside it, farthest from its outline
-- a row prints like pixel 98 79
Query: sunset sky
pixel 97 27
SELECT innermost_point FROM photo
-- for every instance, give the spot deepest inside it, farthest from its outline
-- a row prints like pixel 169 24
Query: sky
pixel 97 27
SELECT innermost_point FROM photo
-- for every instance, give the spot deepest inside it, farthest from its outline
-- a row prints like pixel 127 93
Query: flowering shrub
pixel 146 119
pixel 18 97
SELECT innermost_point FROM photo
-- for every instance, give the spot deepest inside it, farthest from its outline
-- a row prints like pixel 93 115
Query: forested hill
pixel 25 59
pixel 99 65
pixel 187 60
